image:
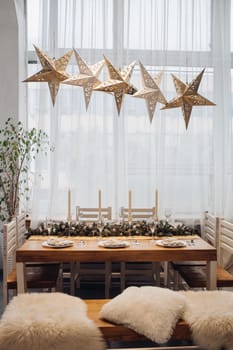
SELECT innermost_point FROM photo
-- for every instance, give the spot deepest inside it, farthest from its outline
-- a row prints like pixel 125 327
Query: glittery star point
pixel 188 97
pixel 150 91
pixel 118 84
pixel 53 71
pixel 88 77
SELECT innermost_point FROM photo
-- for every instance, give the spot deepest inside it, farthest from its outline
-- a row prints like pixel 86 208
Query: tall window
pixel 97 149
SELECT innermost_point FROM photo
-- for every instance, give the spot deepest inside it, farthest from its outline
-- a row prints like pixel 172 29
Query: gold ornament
pixel 150 91
pixel 53 71
pixel 88 77
pixel 118 83
pixel 188 97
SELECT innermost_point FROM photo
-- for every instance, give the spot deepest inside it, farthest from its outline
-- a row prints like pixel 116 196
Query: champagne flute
pixel 49 226
pixel 100 227
pixel 152 227
pixel 135 241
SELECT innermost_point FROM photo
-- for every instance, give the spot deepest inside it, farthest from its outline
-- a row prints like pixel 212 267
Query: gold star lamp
pixel 150 90
pixel 53 71
pixel 188 97
pixel 88 77
pixel 118 84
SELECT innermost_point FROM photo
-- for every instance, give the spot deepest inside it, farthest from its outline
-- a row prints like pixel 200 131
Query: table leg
pixel 20 272
pixel 211 275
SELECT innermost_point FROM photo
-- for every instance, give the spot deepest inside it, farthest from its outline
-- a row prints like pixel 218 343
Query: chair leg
pixel 166 274
pixel 156 273
pixel 108 278
pixel 5 295
pixel 59 284
pixel 78 271
pixel 72 277
pixel 122 278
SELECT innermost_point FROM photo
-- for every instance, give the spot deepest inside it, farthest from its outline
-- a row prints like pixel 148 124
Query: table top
pixel 33 251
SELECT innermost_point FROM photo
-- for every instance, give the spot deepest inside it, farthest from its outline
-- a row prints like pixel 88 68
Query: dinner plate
pixel 171 243
pixel 57 243
pixel 113 243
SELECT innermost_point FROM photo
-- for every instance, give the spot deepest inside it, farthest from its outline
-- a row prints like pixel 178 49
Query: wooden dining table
pixel 88 250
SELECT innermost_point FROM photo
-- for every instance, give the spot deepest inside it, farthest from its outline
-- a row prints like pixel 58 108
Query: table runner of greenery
pixel 113 229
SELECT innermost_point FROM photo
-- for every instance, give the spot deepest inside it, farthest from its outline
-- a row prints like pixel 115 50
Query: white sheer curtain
pixel 97 149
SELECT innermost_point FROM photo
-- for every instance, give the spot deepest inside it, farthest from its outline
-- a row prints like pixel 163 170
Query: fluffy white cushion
pixel 54 321
pixel 150 311
pixel 210 316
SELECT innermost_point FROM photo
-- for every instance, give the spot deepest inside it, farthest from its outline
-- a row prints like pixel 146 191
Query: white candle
pixel 99 204
pixel 69 217
pixel 130 205
pixel 156 204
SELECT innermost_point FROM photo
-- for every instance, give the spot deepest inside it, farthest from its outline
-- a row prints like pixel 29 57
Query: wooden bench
pixel 218 232
pixel 114 332
pixel 195 276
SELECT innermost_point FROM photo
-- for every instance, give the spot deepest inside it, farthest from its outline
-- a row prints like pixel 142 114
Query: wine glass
pixel 130 227
pixel 168 214
pixel 49 226
pixel 152 226
pixel 121 216
pixel 100 226
pixel 134 228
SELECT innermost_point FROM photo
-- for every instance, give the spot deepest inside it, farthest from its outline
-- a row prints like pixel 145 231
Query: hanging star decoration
pixel 88 77
pixel 188 97
pixel 118 84
pixel 150 90
pixel 53 71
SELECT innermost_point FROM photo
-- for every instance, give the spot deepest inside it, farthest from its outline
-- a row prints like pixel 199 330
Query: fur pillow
pixel 210 316
pixel 151 311
pixel 53 321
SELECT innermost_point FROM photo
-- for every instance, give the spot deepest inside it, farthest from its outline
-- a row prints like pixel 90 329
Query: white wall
pixel 12 63
pixel 8 61
pixel 12 60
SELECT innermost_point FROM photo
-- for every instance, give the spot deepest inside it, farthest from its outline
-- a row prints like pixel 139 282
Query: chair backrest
pixel 211 229
pixel 137 214
pixel 92 214
pixel 211 232
pixel 9 253
pixel 20 229
pixel 225 239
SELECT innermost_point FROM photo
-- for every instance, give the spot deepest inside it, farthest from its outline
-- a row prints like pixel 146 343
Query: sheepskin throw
pixel 210 317
pixel 53 321
pixel 151 311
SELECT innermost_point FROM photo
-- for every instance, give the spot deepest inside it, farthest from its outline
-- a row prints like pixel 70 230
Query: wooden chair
pixel 92 214
pixel 20 228
pixel 133 272
pixel 210 230
pixel 41 277
pixel 93 271
pixel 137 214
pixel 219 233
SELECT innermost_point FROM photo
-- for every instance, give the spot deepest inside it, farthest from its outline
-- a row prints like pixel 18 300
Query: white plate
pixel 113 243
pixel 57 243
pixel 171 243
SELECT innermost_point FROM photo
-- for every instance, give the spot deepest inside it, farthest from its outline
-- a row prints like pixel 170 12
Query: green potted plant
pixel 18 147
